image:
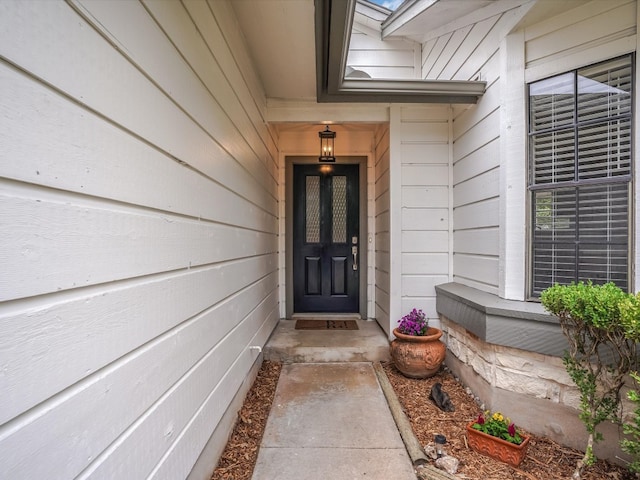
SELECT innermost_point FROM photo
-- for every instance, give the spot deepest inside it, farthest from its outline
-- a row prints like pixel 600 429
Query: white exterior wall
pixel 139 229
pixel 476 188
pixel 424 195
pixel 382 233
pixel 471 51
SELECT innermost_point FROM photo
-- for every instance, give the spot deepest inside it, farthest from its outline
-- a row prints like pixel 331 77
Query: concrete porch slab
pixel 367 344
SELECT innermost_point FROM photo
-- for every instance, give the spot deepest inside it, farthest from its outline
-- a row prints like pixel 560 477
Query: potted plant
pixel 496 436
pixel 417 350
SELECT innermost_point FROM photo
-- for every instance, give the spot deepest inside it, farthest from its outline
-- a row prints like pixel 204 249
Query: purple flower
pixel 512 429
pixel 414 323
pixel 480 420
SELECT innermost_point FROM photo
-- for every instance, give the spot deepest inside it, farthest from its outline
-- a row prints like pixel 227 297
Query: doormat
pixel 326 324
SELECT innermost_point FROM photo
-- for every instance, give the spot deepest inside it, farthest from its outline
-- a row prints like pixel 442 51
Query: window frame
pixel 627 179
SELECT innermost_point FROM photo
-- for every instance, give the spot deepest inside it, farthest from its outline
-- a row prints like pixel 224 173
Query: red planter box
pixel 497 448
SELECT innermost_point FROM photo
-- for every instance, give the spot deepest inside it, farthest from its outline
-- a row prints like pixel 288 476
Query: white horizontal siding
pixel 419 263
pixel 429 219
pixel 477 215
pixel 485 158
pixel 423 196
pixel 373 58
pixel 485 130
pixel 425 241
pixel 139 229
pixel 477 188
pixel 426 304
pixel 477 271
pixel 421 285
pixel 92 156
pixel 382 240
pixel 117 320
pixel 419 153
pixel 117 242
pixel 382 58
pixel 580 29
pixel 478 241
pixel 425 186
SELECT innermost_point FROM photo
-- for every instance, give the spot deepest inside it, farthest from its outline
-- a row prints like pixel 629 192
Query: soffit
pixel 281 41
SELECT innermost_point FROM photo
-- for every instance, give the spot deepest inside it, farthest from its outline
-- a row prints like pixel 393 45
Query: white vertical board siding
pixel 139 207
pixel 424 157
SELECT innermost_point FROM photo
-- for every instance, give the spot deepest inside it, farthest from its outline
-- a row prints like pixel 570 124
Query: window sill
pixel 510 323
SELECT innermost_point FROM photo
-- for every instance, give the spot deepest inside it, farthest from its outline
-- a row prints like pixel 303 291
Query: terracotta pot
pixel 418 356
pixel 497 448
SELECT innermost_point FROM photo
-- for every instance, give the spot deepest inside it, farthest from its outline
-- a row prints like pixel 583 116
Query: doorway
pixel 326 244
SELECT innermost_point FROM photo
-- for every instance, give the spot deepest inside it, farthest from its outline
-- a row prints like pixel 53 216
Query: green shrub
pixel 631 445
pixel 630 316
pixel 600 354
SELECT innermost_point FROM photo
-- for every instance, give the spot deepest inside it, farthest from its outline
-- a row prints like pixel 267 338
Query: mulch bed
pixel 240 455
pixel 545 460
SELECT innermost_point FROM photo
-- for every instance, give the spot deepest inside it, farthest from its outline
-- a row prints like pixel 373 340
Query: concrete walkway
pixel 331 421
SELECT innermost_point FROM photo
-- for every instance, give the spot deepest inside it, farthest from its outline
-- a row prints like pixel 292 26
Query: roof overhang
pixel 333 22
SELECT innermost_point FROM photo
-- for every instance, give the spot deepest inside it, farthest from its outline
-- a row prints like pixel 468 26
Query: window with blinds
pixel 580 129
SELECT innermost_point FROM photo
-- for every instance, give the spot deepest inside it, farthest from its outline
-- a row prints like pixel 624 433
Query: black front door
pixel 326 245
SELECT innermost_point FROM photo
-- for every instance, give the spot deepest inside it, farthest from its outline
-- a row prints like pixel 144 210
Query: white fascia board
pixel 373 11
pixel 425 87
pixel 407 12
pixel 333 32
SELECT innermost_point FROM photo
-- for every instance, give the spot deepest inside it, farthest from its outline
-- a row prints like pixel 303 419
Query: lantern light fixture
pixel 327 141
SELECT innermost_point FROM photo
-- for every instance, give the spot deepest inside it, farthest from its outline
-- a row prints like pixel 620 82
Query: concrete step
pixel 367 344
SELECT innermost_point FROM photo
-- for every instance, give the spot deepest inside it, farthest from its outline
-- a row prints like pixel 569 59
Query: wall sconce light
pixel 327 139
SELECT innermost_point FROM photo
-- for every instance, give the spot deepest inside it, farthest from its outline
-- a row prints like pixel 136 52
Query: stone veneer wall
pixel 531 388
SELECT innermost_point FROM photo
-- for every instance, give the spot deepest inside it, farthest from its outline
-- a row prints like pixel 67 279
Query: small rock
pixel 430 451
pixel 448 463
pixel 441 398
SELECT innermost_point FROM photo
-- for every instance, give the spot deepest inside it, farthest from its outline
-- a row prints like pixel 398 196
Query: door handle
pixel 354 251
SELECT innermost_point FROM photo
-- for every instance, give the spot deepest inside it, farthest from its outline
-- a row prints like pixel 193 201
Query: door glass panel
pixel 339 207
pixel 313 209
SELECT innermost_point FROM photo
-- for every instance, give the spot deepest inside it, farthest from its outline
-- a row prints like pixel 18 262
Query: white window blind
pixel 580 129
